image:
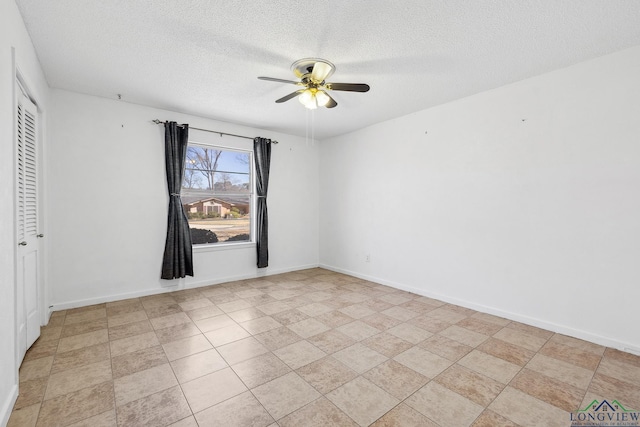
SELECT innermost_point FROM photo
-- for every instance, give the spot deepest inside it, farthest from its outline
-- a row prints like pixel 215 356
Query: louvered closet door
pixel 27 224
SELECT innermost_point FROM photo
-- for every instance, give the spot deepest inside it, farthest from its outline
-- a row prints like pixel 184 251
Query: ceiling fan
pixel 313 73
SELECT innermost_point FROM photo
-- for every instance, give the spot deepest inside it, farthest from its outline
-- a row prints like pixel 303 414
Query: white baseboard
pixel 179 285
pixel 539 323
pixel 7 405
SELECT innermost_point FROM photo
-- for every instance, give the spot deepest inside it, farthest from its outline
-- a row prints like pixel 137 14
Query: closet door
pixel 28 321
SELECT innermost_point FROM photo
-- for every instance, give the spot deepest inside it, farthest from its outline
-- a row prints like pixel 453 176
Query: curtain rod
pixel 159 122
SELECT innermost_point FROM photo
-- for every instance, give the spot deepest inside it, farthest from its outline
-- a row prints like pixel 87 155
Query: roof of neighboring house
pixel 231 200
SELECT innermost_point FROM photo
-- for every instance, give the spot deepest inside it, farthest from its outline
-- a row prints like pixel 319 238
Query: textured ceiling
pixel 202 57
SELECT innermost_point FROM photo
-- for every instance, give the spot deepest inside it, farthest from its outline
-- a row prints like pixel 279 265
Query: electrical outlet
pixel 367 258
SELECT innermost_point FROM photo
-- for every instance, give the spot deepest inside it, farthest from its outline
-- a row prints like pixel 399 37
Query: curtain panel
pixel 178 258
pixel 262 156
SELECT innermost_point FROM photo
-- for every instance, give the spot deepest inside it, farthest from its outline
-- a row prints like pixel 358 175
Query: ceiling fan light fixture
pixel 322 98
pixel 308 99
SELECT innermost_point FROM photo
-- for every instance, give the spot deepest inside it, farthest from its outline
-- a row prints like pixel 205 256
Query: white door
pixel 28 318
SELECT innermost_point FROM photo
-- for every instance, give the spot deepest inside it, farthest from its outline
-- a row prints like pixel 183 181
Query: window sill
pixel 223 247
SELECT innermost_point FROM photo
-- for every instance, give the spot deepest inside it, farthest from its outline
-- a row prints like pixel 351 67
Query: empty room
pixel 417 213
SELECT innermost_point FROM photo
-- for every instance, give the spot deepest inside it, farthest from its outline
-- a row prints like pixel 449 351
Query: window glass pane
pixel 216 195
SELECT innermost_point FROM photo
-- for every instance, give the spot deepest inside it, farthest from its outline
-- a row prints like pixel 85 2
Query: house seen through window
pixel 217 193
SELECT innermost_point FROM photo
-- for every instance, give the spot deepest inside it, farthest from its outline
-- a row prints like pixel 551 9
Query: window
pixel 217 194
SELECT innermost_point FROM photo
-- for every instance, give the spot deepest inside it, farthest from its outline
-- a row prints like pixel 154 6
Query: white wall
pixel 13 38
pixel 523 201
pixel 108 202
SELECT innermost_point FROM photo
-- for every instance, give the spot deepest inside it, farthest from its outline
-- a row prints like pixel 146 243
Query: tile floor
pixel 309 348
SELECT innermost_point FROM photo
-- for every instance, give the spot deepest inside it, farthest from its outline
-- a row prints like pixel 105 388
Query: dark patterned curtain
pixel 262 155
pixel 177 261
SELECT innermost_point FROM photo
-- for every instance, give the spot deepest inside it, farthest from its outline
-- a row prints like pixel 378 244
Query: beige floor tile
pixel 185 422
pixel 260 325
pixel 308 327
pixel 331 341
pixel 125 318
pixel 357 311
pixel 446 314
pixel 260 369
pixel 289 316
pixel 204 312
pixel 488 418
pixel 359 357
pixel 134 343
pixel 124 306
pixel 195 304
pixel 285 394
pixel 400 313
pixel 212 323
pixel 430 324
pixel 212 389
pixel 31 392
pixel 278 338
pixel 170 320
pixel 333 319
pixel 76 406
pixel 299 354
pixel 226 335
pixel 621 356
pixel 410 332
pixel 491 366
pixel 37 368
pixel 403 416
pixel 423 361
pixel 387 344
pixel 315 309
pixel 576 356
pixel 158 409
pixel 140 384
pixel 163 310
pixel 175 333
pixel 619 370
pixel 235 305
pixel 83 327
pixel 245 314
pixel 445 347
pixel 199 364
pixel 479 326
pixel 186 347
pixel 362 401
pixel 241 410
pixel 626 393
pixel 326 374
pixel 394 299
pixel 136 361
pixel 320 412
pixel 490 318
pixel 464 336
pixel 380 321
pixel 531 330
pixel 526 410
pixel 506 351
pixel 519 338
pixel 444 406
pixel 78 378
pixel 49 333
pixel 105 419
pixel 549 390
pixel 85 316
pixel 24 417
pixel 358 330
pixel 130 329
pixel 396 379
pixel 41 349
pixel 274 307
pixel 80 357
pixel 470 384
pixel 241 350
pixel 83 340
pixel 563 371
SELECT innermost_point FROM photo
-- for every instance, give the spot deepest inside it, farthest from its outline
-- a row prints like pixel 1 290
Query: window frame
pixel 207 247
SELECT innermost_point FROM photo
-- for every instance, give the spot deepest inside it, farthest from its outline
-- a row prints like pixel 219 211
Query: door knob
pixel 23 243
pixel 40 235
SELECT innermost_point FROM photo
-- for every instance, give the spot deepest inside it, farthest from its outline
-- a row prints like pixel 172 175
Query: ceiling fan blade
pixel 332 102
pixel 290 96
pixel 350 87
pixel 321 71
pixel 272 79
